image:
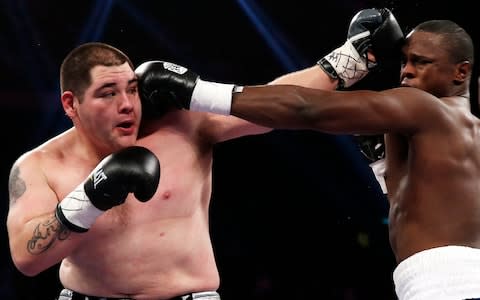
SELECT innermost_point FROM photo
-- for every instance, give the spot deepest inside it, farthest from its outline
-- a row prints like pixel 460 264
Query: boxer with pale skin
pixel 75 200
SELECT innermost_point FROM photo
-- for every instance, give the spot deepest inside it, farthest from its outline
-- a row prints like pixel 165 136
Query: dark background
pixel 295 214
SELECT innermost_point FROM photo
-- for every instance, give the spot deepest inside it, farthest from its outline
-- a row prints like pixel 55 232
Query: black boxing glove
pixel 371 146
pixel 131 170
pixel 375 29
pixel 164 86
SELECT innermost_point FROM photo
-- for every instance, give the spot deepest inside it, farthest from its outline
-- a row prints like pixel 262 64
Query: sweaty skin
pixel 172 226
pixel 158 249
pixel 432 141
pixel 154 250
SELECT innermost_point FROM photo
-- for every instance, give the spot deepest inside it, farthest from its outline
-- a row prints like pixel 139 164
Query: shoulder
pixel 416 100
pixel 27 167
pixel 181 122
pixel 38 158
pixel 202 127
pixel 29 162
pixel 413 93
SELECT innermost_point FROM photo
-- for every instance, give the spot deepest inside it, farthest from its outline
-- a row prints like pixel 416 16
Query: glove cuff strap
pixel 76 211
pixel 349 66
pixel 330 71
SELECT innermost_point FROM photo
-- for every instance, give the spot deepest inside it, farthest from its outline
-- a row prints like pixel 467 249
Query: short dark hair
pixel 458 42
pixel 75 68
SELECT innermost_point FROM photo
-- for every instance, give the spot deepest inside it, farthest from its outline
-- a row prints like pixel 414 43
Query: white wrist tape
pixel 212 97
pixel 78 209
pixel 378 169
pixel 349 65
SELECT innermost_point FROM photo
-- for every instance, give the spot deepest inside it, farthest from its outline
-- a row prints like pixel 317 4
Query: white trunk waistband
pixel 443 273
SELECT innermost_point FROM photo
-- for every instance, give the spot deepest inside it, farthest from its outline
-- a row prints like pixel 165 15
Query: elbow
pixel 27 265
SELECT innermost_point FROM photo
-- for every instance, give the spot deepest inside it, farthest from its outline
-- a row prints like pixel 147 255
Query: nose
pixel 127 102
pixel 407 70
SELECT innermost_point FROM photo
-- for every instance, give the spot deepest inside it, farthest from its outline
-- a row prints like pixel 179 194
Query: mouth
pixel 405 83
pixel 126 126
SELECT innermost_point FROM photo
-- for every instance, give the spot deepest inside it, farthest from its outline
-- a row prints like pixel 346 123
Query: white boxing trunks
pixel 443 273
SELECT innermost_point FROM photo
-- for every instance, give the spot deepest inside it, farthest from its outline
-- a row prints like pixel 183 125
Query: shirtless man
pixel 128 249
pixel 432 153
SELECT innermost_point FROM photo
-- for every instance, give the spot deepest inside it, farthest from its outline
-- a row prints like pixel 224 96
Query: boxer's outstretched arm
pixel 164 84
pixel 336 112
pixel 312 77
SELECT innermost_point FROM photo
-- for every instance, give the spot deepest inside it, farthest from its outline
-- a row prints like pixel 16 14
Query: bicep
pixel 30 195
pixel 405 110
pixel 370 112
pixel 230 127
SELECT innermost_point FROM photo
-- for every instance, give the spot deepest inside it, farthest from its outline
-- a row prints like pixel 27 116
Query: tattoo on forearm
pixel 16 185
pixel 45 234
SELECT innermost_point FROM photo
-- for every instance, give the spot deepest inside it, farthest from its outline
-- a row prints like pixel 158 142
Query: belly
pixel 141 255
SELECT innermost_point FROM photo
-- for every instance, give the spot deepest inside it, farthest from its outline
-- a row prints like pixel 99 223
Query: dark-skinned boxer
pixel 432 150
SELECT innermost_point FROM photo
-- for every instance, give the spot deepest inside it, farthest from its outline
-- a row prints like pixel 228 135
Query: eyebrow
pixel 112 84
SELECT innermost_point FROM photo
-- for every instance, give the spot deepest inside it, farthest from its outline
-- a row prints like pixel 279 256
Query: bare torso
pixel 432 186
pixel 160 248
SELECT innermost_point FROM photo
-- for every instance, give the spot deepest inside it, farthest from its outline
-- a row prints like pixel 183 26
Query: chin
pixel 126 141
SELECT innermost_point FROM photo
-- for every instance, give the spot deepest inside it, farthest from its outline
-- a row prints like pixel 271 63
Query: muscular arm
pixel 312 77
pixel 225 128
pixel 372 33
pixel 337 112
pixel 36 237
pixel 37 219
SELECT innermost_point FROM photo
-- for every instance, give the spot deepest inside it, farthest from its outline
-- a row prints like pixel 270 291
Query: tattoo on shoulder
pixel 16 185
pixel 45 234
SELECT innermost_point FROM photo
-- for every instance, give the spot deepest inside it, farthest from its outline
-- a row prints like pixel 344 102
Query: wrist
pixel 76 211
pixel 212 97
pixel 328 69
